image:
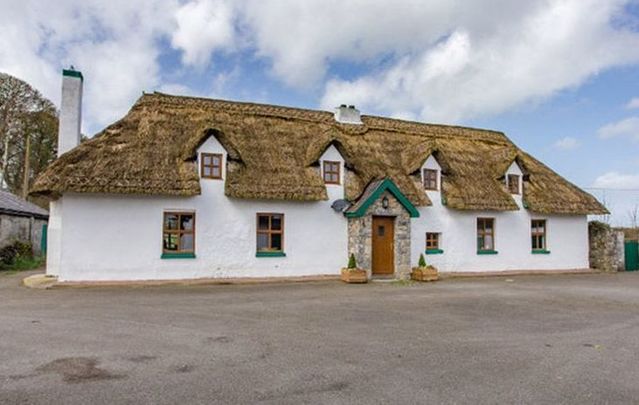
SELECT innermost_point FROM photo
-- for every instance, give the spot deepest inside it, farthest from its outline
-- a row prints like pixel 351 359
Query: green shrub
pixel 422 261
pixel 17 251
pixel 352 264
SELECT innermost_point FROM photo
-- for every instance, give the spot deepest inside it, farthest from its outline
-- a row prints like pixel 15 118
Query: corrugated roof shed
pixel 11 204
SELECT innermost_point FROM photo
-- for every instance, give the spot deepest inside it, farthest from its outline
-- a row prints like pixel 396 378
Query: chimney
pixel 70 110
pixel 347 114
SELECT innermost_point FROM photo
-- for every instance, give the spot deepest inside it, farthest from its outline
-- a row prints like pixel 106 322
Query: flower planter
pixel 428 273
pixel 357 276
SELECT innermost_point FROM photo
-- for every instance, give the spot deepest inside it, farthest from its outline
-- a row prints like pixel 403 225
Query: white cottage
pixel 185 187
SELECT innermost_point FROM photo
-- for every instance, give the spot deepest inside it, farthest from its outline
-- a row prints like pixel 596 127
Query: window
pixel 538 234
pixel 331 172
pixel 211 166
pixel 432 241
pixel 513 184
pixel 430 179
pixel 179 232
pixel 270 233
pixel 485 234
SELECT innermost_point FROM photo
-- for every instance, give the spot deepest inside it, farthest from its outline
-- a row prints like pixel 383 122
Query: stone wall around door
pixel 360 235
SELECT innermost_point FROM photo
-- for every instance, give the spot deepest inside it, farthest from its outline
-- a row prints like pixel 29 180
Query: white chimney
pixel 347 114
pixel 70 110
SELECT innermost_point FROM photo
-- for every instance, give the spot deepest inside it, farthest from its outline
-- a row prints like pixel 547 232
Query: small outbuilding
pixel 23 221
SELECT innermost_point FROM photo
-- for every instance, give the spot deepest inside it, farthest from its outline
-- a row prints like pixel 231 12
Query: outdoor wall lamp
pixel 385 202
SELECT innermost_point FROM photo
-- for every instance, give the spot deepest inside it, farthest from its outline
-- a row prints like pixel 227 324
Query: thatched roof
pixel 273 154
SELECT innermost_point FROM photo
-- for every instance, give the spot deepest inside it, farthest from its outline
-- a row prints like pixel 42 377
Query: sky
pixel 559 77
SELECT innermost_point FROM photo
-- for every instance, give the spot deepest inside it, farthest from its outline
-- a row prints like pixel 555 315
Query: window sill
pixel 178 256
pixel 541 252
pixel 487 252
pixel 270 254
pixel 433 251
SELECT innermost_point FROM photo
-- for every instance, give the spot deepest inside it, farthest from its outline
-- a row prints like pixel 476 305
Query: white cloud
pixel 203 27
pixel 615 180
pixel 628 127
pixel 633 103
pixel 113 44
pixel 489 66
pixel 438 60
pixel 566 143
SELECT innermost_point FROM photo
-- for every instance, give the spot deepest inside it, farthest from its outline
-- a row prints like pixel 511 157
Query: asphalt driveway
pixel 533 339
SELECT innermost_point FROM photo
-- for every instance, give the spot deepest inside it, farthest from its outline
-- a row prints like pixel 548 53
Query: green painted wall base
pixel 487 252
pixel 270 254
pixel 178 256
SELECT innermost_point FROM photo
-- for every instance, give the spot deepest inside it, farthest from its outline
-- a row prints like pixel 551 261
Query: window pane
pixel 215 161
pixel 206 159
pixel 216 172
pixel 170 221
pixel 488 242
pixel 170 241
pixel 534 242
pixel 186 222
pixel 480 242
pixel 480 224
pixel 488 224
pixel 542 242
pixel 206 171
pixel 186 241
pixel 262 241
pixel 276 241
pixel 335 178
pixel 262 222
pixel 276 222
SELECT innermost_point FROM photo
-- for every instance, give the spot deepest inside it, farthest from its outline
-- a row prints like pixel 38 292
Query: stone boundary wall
pixel 26 229
pixel 606 247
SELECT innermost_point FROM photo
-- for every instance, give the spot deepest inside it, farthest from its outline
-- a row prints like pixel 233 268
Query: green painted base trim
pixel 433 251
pixel 540 252
pixel 178 256
pixel 270 254
pixel 72 73
pixel 487 252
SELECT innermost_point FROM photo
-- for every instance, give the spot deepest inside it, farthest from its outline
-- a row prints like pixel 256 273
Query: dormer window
pixel 211 166
pixel 331 172
pixel 430 179
pixel 513 183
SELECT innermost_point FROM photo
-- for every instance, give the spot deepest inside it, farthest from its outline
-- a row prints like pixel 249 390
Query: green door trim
pixel 631 254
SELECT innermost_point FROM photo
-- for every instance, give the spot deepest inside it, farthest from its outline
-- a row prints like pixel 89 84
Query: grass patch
pixel 23 264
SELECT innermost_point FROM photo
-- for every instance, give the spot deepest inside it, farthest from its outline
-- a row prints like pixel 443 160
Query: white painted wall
pixel 335 191
pixel 119 237
pixel 54 238
pixel 70 114
pixel 567 237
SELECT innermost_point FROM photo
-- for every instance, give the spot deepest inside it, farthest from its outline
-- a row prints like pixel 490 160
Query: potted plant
pixel 424 272
pixel 352 274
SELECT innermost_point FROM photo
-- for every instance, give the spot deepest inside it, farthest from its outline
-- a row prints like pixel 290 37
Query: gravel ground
pixel 526 339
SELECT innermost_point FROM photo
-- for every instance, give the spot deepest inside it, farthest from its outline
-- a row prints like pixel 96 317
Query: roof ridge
pixel 327 116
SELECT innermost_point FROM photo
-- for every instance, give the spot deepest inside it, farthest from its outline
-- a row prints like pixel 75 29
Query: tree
pixel 28 134
pixel 633 215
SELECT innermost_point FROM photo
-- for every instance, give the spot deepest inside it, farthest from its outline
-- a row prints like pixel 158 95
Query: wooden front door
pixel 383 245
